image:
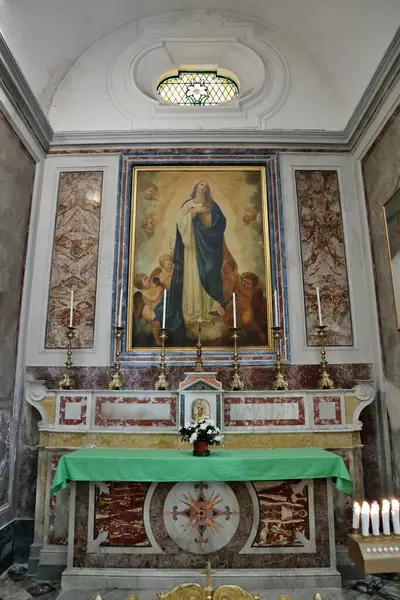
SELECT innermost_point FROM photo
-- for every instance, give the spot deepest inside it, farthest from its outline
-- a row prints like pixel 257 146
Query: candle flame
pixel 365 508
pixel 374 508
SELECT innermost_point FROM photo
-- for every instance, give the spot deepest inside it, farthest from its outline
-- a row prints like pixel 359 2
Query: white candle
pixel 375 518
pixel 356 515
pixel 234 310
pixel 319 307
pixel 365 518
pixel 385 517
pixel 276 313
pixel 71 309
pixel 164 314
pixel 120 310
pixel 395 517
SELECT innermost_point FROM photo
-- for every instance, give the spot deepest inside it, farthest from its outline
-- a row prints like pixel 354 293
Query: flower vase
pixel 200 449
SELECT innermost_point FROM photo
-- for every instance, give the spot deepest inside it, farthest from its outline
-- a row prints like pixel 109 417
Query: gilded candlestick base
pixel 117 382
pixel 162 382
pixel 67 382
pixel 236 381
pixel 280 382
pixel 325 382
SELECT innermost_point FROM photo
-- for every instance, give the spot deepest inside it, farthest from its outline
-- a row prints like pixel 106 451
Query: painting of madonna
pixel 205 253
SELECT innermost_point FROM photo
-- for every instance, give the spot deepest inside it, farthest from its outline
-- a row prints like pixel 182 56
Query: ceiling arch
pixel 347 39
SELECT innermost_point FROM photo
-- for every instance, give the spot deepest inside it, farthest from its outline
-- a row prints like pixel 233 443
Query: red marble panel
pixel 338 413
pixel 323 256
pixel 283 513
pixel 99 420
pixel 64 401
pixel 191 380
pixel 264 422
pixel 119 512
pixel 75 258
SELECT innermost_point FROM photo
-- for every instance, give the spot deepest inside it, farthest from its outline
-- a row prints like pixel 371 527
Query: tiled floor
pixel 17 585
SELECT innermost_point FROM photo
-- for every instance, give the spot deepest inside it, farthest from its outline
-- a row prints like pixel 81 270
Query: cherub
pixel 250 302
pixel 146 300
pixel 167 267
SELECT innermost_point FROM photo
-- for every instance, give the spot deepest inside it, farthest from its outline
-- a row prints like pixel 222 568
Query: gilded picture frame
pixel 391 215
pixel 200 233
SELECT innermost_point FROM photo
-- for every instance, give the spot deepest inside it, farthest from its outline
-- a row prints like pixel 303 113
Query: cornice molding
pixel 13 82
pixel 16 87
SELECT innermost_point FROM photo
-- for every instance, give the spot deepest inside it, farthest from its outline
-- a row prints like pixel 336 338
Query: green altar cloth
pixel 106 464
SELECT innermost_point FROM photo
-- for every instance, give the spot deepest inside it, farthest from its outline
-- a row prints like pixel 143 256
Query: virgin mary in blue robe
pixel 197 284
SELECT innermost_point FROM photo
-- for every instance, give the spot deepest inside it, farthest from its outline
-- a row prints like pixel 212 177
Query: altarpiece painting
pixel 201 233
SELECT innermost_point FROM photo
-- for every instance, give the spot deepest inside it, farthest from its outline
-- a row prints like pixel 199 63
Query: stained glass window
pixel 197 88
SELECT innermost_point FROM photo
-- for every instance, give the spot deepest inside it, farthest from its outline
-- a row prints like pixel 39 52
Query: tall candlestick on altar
pixel 71 309
pixel 120 310
pixel 385 517
pixel 365 519
pixel 164 314
pixel 375 518
pixel 319 307
pixel 276 314
pixel 395 517
pixel 356 515
pixel 234 310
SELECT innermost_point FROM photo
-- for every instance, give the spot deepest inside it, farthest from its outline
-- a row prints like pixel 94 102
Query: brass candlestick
pixel 117 382
pixel 280 382
pixel 325 382
pixel 199 362
pixel 236 383
pixel 162 382
pixel 67 382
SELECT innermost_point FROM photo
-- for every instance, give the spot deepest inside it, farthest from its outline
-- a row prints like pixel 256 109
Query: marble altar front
pixel 146 534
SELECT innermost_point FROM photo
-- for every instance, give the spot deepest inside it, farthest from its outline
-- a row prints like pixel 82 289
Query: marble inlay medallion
pixel 201 517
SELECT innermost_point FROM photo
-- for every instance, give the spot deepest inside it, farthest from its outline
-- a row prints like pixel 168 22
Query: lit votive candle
pixel 385 517
pixel 395 517
pixel 375 518
pixel 356 515
pixel 365 519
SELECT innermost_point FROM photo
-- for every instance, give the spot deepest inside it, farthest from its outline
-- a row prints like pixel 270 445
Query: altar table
pixel 108 464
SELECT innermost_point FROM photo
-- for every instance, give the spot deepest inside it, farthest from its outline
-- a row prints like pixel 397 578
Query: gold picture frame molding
pixel 136 170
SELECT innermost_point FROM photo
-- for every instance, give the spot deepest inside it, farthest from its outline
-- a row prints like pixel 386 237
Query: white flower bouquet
pixel 202 431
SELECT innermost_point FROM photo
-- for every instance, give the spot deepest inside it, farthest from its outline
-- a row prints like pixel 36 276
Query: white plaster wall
pixel 36 354
pixel 100 354
pixel 301 354
pixel 112 87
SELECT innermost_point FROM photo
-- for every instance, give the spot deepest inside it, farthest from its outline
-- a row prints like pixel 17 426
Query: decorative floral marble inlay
pixel 119 514
pixel 141 411
pixel 75 258
pixel 327 410
pixel 201 517
pixel 263 412
pixel 73 410
pixel 323 256
pixel 283 513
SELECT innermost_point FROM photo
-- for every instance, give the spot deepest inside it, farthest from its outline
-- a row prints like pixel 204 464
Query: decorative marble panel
pixel 184 521
pixel 201 517
pixel 327 410
pixel 73 410
pixel 75 258
pixel 119 514
pixel 141 411
pixel 323 256
pixel 284 514
pixel 57 532
pixel 263 412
